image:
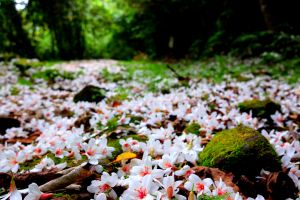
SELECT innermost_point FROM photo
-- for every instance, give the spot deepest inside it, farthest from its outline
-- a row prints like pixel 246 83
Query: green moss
pixel 206 197
pixel 259 108
pixel 71 162
pixel 241 78
pixel 192 128
pixel 90 93
pixel 14 90
pixel 241 150
pixel 24 81
pixel 116 142
pixel 51 74
pixel 24 64
pixel 28 165
pixel 63 196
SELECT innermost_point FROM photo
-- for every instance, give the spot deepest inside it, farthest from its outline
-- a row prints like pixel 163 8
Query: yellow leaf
pixel 124 156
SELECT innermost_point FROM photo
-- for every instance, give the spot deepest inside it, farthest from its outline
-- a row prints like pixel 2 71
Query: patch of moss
pixel 241 150
pixel 90 93
pixel 14 90
pixel 71 162
pixel 28 165
pixel 116 142
pixel 193 128
pixel 112 77
pixel 207 197
pixel 51 74
pixel 259 108
pixel 25 64
pixel 241 78
pixel 24 81
pixel 62 196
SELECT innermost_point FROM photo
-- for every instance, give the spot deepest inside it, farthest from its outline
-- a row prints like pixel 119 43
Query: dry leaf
pixel 125 156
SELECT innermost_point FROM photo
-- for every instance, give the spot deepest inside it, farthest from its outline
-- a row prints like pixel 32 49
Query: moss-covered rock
pixel 241 150
pixel 90 93
pixel 259 108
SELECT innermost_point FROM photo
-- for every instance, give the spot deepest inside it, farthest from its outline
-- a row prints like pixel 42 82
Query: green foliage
pixel 52 74
pixel 273 46
pixel 241 150
pixel 112 124
pixel 25 81
pixel 14 90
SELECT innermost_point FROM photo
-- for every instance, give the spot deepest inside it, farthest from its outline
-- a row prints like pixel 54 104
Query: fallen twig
pixel 76 175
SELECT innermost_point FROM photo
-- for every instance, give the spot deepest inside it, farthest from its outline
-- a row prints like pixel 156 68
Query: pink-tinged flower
pixel 34 193
pixel 14 193
pixel 104 186
pixel 145 168
pixel 11 160
pixel 195 183
pixel 141 190
pixel 48 163
pixel 59 150
pixel 170 188
pixel 168 161
pixel 127 145
pixel 221 188
pixel 97 149
pixel 185 171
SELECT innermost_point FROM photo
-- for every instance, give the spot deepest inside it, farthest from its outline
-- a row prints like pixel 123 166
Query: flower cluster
pixel 164 167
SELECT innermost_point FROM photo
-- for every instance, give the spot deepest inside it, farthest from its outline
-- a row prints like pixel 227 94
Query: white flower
pixel 195 183
pixel 170 188
pixel 141 190
pixel 105 185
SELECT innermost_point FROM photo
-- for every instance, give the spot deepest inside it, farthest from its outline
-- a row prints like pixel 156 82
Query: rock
pixel 90 93
pixel 84 120
pixel 242 151
pixel 260 108
pixel 7 123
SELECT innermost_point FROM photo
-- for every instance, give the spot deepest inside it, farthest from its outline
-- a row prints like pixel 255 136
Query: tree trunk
pixel 267 14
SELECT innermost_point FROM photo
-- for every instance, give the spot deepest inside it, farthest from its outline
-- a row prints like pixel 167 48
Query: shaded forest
pixel 155 29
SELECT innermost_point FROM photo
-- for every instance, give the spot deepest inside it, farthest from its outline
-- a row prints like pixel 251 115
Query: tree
pixel 13 37
pixel 64 20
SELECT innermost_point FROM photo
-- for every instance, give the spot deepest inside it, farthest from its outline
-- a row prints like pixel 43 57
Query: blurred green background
pixel 149 29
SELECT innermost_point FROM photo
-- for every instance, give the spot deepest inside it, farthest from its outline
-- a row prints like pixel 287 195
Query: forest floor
pixel 139 132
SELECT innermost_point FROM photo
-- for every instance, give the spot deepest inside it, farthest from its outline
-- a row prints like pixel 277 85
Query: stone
pixel 242 151
pixel 260 108
pixel 7 123
pixel 90 93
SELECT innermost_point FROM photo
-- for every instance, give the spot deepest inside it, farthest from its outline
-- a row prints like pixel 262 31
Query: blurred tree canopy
pixel 123 29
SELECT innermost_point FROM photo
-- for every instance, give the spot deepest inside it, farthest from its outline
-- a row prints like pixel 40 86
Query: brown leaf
pixel 280 186
pixel 24 179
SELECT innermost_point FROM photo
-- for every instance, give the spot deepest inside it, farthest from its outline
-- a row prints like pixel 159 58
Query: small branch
pixel 178 76
pixel 76 175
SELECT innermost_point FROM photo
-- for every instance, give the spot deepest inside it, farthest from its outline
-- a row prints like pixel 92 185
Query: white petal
pixel 188 185
pixel 194 178
pixel 15 195
pixel 101 196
